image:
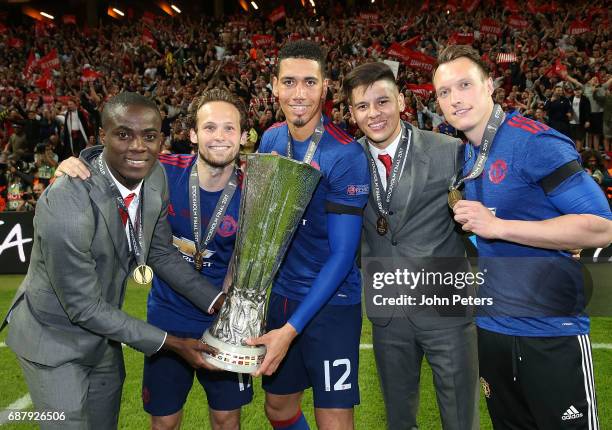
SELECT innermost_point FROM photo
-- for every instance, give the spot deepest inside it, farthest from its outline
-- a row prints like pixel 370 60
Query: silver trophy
pixel 276 191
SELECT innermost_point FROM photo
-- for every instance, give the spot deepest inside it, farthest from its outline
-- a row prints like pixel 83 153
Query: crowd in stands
pixel 552 61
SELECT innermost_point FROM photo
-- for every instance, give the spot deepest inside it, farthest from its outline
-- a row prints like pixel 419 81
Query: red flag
pixel 579 27
pixel 64 99
pixel 148 18
pixel 31 64
pixel 414 59
pixel 517 21
pixel 470 5
pixel 50 61
pixel 490 26
pixel 424 91
pixel 262 40
pixel 14 42
pixel 277 14
pixel 69 19
pixel 369 16
pixel 32 96
pixel 89 75
pixel 506 57
pixel 147 37
pixel 424 6
pixel 412 42
pixel 45 82
pixel 461 39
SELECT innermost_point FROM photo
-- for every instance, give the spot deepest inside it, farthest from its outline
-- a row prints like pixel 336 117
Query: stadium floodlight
pixel 46 15
pixel 254 5
pixel 176 9
pixel 118 12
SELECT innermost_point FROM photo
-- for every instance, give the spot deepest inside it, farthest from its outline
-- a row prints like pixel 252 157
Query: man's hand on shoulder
pixel 72 167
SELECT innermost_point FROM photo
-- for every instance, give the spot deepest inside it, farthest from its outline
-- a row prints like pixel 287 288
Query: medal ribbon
pixel 194 194
pixel 135 235
pixel 396 173
pixel 495 121
pixel 312 147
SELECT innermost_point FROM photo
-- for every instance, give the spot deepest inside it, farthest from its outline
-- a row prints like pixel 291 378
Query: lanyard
pixel 201 242
pixel 396 172
pixel 135 232
pixel 312 147
pixel 495 121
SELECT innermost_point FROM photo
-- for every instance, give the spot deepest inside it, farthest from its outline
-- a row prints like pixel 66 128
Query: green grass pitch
pixel 368 415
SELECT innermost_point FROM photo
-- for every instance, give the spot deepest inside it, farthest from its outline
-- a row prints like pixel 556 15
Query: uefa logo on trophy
pixel 276 191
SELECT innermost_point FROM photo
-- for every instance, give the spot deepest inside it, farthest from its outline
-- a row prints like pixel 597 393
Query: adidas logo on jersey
pixel 571 414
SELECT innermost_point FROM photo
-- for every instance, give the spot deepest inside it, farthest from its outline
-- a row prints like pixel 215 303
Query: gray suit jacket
pixel 421 228
pixel 68 307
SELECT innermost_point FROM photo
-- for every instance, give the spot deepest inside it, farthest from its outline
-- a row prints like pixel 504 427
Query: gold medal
pixel 198 260
pixel 142 274
pixel 454 195
pixel 382 225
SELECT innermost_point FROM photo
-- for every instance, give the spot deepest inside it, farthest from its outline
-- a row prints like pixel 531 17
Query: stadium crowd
pixel 552 62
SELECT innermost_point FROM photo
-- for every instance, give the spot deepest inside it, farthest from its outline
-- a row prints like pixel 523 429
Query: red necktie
pixel 127 200
pixel 387 162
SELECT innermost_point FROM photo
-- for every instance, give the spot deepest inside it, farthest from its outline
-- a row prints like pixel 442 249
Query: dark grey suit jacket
pixel 69 305
pixel 421 228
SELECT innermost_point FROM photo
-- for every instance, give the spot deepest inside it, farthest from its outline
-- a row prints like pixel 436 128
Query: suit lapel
pixel 412 182
pixel 103 199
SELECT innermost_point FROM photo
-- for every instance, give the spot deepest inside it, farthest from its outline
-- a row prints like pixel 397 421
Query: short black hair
pixel 453 52
pixel 126 99
pixel 303 48
pixel 215 95
pixel 366 74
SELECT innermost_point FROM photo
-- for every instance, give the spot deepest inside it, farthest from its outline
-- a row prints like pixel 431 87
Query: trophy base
pixel 239 359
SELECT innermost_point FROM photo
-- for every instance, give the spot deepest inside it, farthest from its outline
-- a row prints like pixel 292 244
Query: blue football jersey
pixel 535 291
pixel 345 181
pixel 166 308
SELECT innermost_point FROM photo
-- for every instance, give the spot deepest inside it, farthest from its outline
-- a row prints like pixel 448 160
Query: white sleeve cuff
pixel 162 344
pixel 210 308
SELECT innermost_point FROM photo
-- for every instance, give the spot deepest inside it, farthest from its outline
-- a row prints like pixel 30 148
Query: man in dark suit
pixel 66 325
pixel 408 226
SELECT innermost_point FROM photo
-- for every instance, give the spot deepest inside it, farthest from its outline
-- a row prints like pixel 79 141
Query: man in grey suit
pixel 66 324
pixel 408 225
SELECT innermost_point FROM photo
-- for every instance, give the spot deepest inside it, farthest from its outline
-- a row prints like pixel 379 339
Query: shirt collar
pixel 391 149
pixel 123 190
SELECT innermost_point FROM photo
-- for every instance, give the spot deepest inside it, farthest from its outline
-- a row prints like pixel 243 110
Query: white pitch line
pixel 601 345
pixel 2 345
pixel 17 405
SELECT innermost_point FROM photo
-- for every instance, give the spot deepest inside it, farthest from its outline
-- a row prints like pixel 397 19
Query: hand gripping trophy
pixel 276 191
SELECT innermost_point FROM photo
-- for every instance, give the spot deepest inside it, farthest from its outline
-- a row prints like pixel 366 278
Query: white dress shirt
pixel 390 150
pixel 133 207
